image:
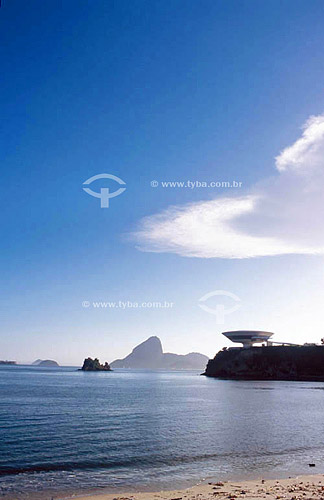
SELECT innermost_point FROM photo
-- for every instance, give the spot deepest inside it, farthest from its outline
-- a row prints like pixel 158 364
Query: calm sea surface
pixel 65 430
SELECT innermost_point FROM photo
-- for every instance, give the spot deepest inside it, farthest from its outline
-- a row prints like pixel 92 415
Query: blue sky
pixel 167 91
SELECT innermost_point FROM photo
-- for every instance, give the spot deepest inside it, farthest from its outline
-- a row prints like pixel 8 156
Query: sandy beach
pixel 298 488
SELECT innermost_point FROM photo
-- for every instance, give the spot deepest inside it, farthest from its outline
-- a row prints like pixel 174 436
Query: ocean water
pixel 63 430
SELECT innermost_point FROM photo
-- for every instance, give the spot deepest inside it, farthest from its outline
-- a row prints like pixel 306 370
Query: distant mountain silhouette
pixel 149 355
pixel 45 362
pixel 37 362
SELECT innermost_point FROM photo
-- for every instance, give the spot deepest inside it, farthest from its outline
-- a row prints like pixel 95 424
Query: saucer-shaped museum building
pixel 248 337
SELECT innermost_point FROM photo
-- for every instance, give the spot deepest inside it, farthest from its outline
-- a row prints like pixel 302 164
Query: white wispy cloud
pixel 307 152
pixel 282 215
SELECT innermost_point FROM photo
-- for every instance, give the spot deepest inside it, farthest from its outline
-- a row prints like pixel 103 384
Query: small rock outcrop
pixel 93 365
pixel 269 363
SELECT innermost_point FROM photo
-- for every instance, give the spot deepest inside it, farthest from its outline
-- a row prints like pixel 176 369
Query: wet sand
pixel 310 487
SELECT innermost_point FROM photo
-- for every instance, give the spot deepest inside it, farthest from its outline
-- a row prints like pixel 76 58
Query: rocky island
pixel 301 363
pixel 93 365
pixel 49 363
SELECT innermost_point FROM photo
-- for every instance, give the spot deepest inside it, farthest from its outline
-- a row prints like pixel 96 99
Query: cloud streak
pixel 282 215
